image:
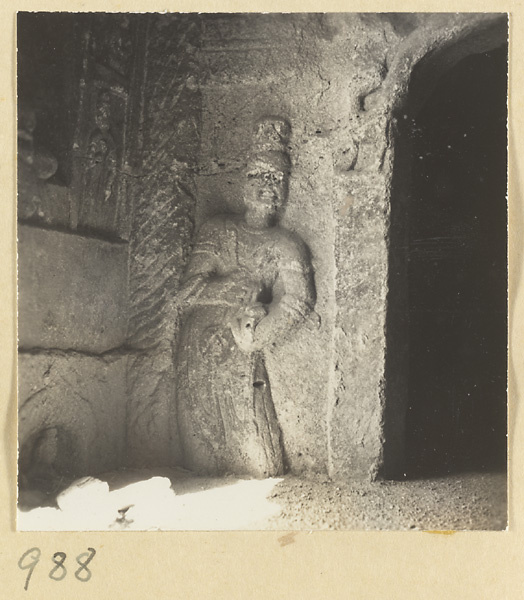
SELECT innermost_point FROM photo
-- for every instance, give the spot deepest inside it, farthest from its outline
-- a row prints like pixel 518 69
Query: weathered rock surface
pixel 71 414
pixel 161 230
pixel 316 57
pixel 72 291
pixel 152 437
pixel 162 139
pixel 338 78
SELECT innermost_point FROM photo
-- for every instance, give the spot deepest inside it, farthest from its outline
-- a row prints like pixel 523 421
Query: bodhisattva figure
pixel 100 165
pixel 248 284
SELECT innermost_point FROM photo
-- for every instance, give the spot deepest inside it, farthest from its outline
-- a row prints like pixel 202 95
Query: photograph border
pixel 334 564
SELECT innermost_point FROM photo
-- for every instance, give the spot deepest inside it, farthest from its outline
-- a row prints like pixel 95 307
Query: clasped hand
pixel 244 323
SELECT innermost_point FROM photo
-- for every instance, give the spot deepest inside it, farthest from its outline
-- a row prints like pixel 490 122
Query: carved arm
pixel 202 285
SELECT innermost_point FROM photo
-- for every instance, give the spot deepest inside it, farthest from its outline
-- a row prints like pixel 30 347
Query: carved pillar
pixel 163 195
pixel 361 255
pixel 367 416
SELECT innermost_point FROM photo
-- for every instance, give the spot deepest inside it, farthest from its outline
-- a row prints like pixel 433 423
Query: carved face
pixel 266 192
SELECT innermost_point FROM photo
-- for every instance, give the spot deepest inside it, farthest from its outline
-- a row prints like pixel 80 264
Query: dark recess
pixel 48 51
pixel 457 272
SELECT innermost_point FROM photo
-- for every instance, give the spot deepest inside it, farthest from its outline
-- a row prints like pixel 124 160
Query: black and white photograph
pixel 262 271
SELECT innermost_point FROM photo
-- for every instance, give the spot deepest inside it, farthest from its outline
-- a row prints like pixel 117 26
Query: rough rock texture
pixel 162 227
pixel 438 42
pixel 152 437
pixel 74 81
pixel 339 79
pixel 248 287
pixel 249 67
pixel 325 381
pixel 72 414
pixel 156 144
pixel 103 131
pixel 464 502
pixel 73 291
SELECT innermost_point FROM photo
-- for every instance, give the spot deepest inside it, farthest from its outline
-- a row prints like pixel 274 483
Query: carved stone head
pixel 268 171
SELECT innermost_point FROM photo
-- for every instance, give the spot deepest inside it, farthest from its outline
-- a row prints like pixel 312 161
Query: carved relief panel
pixel 100 148
pixel 76 83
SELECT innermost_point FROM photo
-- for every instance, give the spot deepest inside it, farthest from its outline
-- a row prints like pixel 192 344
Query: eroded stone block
pixel 152 435
pixel 71 414
pixel 71 291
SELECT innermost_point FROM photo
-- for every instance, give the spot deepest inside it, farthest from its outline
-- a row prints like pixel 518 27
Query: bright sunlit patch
pixel 154 505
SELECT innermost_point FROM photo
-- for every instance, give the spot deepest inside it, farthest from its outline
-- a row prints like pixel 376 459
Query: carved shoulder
pixel 212 233
pixel 211 227
pixel 291 249
pixel 295 272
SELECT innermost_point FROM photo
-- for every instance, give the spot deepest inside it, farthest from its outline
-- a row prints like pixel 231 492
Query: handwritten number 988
pixel 31 557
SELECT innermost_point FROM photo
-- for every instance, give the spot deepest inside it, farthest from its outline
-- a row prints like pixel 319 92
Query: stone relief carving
pixel 101 161
pixel 102 152
pixel 248 283
pixel 105 141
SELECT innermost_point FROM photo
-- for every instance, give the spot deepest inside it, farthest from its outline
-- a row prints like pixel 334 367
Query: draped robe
pixel 226 417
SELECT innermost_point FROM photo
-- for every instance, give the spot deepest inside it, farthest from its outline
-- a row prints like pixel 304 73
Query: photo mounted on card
pixel 262 271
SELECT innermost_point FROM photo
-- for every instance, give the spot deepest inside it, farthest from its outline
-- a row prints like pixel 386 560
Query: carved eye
pixel 272 177
pixel 276 177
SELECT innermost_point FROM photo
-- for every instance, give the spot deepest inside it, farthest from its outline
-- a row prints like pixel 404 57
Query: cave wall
pixel 340 79
pixel 108 127
pixel 315 70
pixel 160 110
pixel 74 89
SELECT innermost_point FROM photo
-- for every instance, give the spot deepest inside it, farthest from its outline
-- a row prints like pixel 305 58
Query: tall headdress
pixel 270 143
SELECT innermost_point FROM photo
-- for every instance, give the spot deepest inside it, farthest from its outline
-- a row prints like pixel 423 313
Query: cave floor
pixel 173 499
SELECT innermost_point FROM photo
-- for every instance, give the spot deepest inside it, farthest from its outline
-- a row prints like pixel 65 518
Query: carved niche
pixel 248 284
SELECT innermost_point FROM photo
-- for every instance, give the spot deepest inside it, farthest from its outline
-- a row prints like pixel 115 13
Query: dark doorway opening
pixel 457 271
